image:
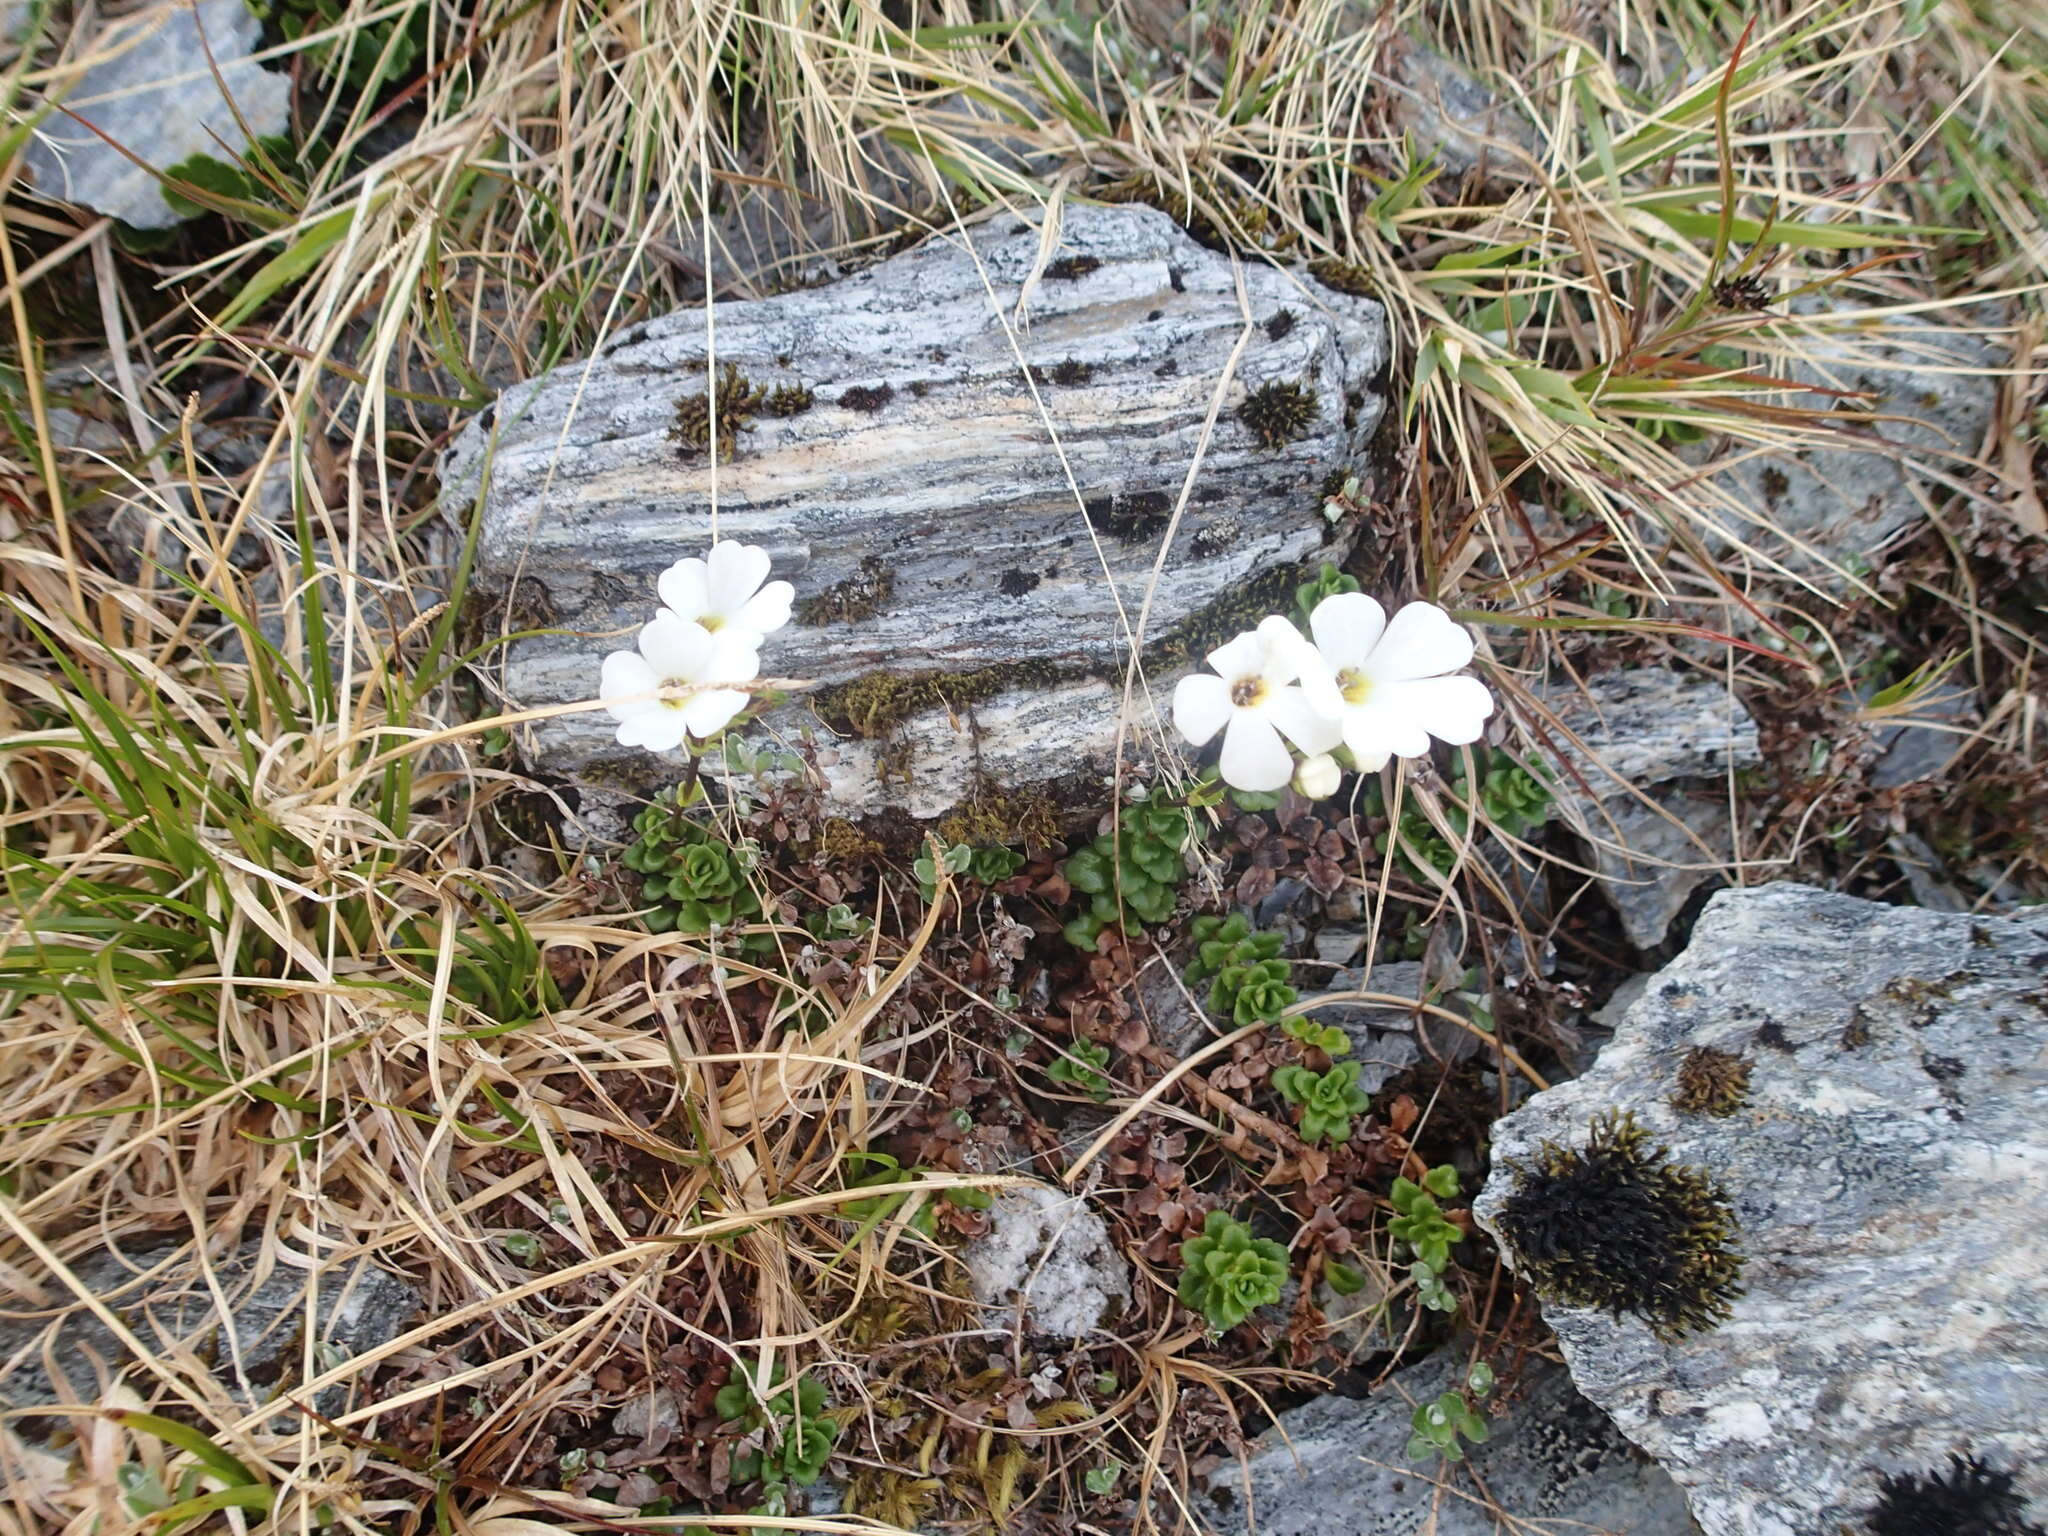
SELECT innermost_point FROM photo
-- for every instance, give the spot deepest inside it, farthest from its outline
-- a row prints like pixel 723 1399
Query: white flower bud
pixel 1317 777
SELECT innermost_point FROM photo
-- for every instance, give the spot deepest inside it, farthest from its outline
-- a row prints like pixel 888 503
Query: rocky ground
pixel 904 1115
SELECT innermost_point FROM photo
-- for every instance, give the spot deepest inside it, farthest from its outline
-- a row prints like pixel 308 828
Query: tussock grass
pixel 283 952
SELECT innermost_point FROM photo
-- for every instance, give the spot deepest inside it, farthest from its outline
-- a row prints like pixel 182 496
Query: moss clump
pixel 1068 268
pixel 1965 1498
pixel 993 818
pixel 787 400
pixel 1344 276
pixel 867 397
pixel 874 705
pixel 1069 373
pixel 1279 412
pixel 1280 325
pixel 1744 293
pixel 860 596
pixel 1131 515
pixel 842 842
pixel 737 401
pixel 1711 1082
pixel 1270 591
pixel 1618 1227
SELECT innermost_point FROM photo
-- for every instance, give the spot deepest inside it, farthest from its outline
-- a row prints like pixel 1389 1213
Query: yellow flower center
pixel 711 622
pixel 674 682
pixel 1247 691
pixel 1355 686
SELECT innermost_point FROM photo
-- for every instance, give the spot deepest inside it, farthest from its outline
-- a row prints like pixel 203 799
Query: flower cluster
pixel 1376 687
pixel 715 613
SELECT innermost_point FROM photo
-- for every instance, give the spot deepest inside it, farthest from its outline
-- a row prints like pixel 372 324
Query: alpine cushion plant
pixel 1228 1274
pixel 798 1435
pixel 1327 1100
pixel 1131 874
pixel 1247 979
pixel 694 880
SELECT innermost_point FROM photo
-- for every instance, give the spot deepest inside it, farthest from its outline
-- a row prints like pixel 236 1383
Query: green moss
pixel 875 704
pixel 787 400
pixel 992 817
pixel 1344 276
pixel 859 597
pixel 1620 1228
pixel 737 401
pixel 1279 412
pixel 1270 591
pixel 1711 1082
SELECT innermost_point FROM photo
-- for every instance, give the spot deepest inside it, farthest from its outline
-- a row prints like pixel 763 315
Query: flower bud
pixel 1317 777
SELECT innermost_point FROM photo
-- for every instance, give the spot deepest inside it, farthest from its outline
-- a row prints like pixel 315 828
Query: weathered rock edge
pixel 922 470
pixel 1889 1166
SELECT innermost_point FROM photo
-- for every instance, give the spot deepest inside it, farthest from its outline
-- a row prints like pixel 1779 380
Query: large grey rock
pixel 1552 1465
pixel 919 505
pixel 256 1355
pixel 1888 1168
pixel 1936 388
pixel 1049 1254
pixel 182 84
pixel 1673 735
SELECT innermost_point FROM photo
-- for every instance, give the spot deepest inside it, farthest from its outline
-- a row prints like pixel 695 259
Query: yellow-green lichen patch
pixel 1711 1082
pixel 875 704
pixel 860 596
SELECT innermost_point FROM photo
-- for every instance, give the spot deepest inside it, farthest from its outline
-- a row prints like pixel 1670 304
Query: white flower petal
pixel 708 713
pixel 658 730
pixel 1254 757
pixel 735 657
pixel 678 649
pixel 767 610
pixel 734 574
pixel 623 674
pixel 1452 709
pixel 1375 732
pixel 1370 762
pixel 1286 650
pixel 1201 707
pixel 1347 625
pixel 683 588
pixel 1421 641
pixel 1243 657
pixel 1308 727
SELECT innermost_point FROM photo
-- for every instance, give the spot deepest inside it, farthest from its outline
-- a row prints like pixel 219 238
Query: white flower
pixel 1387 684
pixel 1318 777
pixel 675 652
pixel 1252 693
pixel 727 591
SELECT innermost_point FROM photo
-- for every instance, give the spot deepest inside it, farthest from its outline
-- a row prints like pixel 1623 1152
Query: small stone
pixel 654 1413
pixel 1674 735
pixel 1048 1251
pixel 1340 1467
pixel 258 1355
pixel 160 100
pixel 1884 1166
